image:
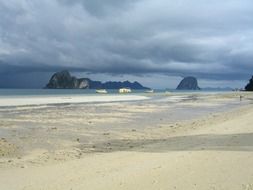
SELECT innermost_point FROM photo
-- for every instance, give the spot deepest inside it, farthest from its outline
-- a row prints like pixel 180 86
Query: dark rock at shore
pixel 249 86
pixel 63 80
pixel 188 83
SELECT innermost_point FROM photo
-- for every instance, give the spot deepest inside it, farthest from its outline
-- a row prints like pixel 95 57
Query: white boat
pixel 125 90
pixel 168 92
pixel 101 91
pixel 150 91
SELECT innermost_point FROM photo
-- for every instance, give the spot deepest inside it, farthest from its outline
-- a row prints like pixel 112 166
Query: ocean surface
pixel 58 92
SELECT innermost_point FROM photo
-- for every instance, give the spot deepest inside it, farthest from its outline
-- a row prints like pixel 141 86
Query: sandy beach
pixel 159 142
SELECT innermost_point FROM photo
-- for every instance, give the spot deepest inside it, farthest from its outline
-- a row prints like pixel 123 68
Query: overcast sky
pixel 153 41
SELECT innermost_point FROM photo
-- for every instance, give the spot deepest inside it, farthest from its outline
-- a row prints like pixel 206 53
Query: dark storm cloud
pixel 208 39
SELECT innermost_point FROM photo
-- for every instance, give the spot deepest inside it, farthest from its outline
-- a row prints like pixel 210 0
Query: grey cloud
pixel 101 8
pixel 211 40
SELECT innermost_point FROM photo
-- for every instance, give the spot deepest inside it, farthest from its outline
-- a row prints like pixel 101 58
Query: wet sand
pixel 198 142
pixel 64 99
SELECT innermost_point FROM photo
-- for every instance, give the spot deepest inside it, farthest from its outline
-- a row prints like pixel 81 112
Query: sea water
pixel 52 92
pixel 11 97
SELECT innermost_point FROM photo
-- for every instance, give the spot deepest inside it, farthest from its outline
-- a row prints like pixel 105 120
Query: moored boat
pixel 101 91
pixel 125 90
pixel 150 91
pixel 168 92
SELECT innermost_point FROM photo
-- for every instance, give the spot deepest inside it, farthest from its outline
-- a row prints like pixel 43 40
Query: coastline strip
pixel 40 100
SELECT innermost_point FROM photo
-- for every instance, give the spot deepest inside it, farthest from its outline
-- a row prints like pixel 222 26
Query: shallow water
pixel 57 127
pixel 50 92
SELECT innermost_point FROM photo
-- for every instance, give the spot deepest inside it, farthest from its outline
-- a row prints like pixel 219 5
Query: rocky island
pixel 249 86
pixel 188 83
pixel 63 80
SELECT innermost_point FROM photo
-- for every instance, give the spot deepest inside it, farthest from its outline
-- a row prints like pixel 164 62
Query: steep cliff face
pixel 249 86
pixel 63 80
pixel 188 83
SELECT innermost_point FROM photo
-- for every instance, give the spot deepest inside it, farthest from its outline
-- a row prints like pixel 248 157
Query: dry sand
pixel 214 152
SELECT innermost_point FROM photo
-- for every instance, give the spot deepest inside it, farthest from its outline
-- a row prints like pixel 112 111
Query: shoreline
pixel 210 152
pixel 63 99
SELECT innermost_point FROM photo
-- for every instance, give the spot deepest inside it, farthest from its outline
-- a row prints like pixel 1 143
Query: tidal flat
pixel 170 132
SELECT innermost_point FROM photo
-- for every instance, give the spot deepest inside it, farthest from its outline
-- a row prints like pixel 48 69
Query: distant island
pixel 188 83
pixel 63 80
pixel 249 86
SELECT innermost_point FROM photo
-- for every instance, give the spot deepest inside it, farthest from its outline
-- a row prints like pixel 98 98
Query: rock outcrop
pixel 188 83
pixel 249 86
pixel 63 80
